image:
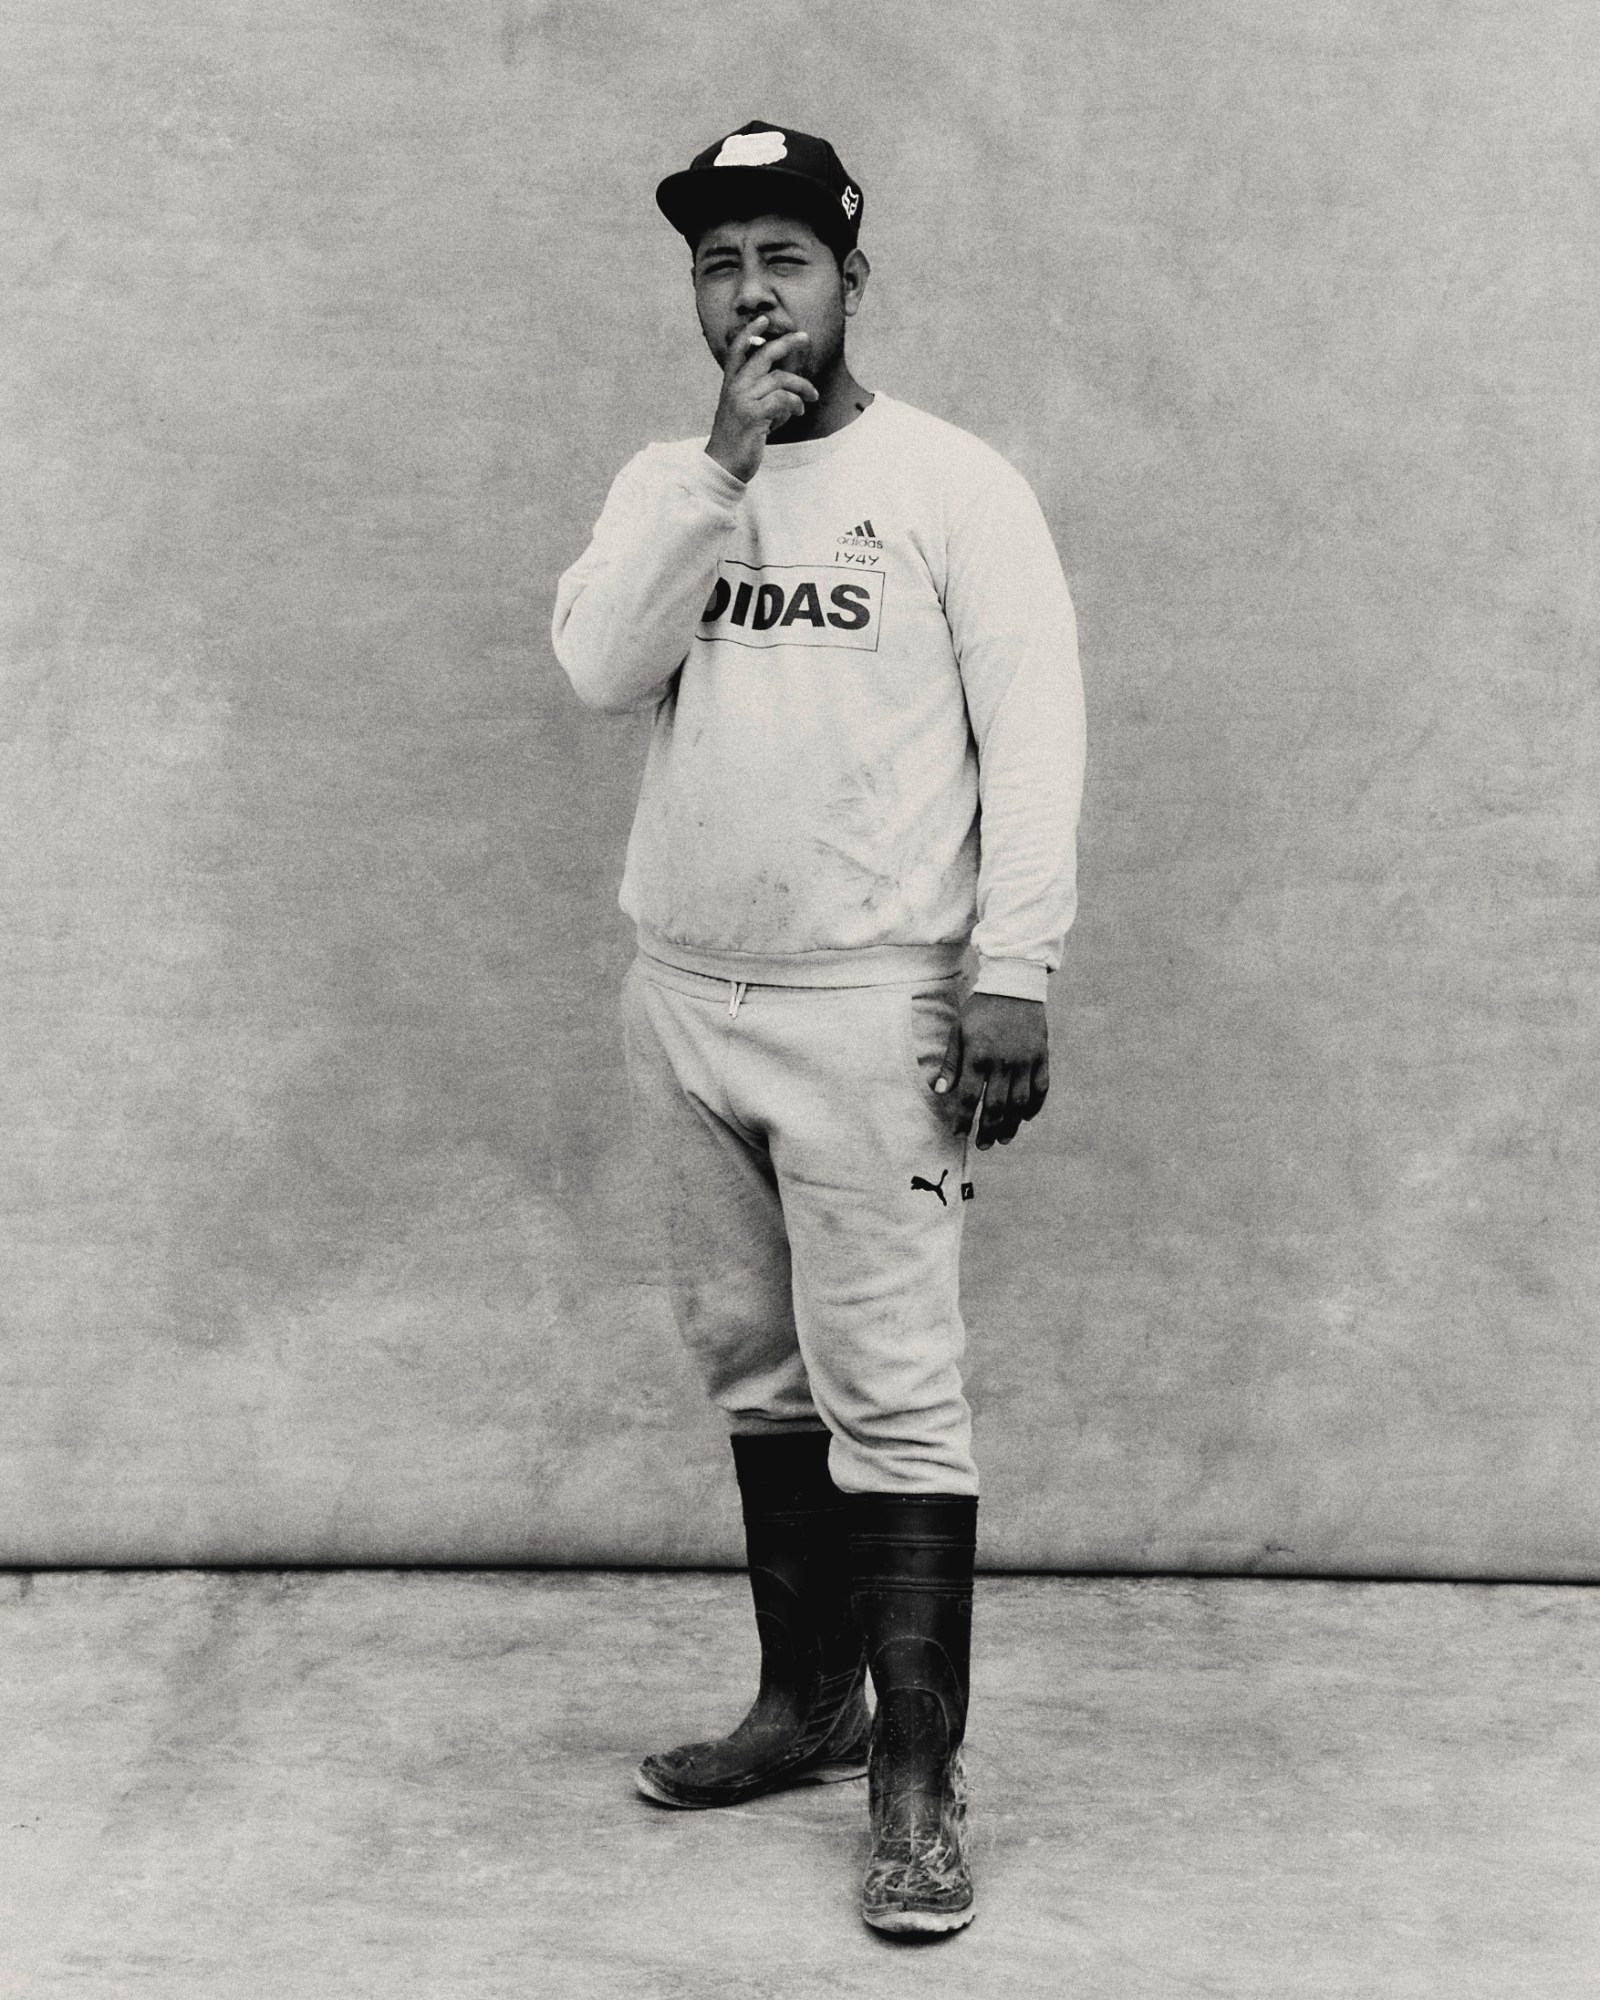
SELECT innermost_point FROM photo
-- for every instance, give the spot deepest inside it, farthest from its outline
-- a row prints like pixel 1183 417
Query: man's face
pixel 777 265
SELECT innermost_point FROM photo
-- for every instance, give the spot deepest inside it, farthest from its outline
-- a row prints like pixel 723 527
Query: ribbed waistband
pixel 880 965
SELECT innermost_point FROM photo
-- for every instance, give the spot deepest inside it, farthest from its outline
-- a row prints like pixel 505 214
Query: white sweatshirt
pixel 869 733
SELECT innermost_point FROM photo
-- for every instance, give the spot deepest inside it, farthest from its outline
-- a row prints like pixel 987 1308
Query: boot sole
pixel 907 1922
pixel 819 1774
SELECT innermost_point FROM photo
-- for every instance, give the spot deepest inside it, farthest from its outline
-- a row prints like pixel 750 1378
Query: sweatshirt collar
pixel 790 457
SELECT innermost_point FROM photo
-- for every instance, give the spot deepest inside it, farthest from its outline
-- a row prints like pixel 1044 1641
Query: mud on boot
pixel 911 1557
pixel 919 1878
pixel 774 1747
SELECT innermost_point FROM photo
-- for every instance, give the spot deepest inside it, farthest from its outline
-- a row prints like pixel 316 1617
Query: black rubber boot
pixel 809 1724
pixel 911 1558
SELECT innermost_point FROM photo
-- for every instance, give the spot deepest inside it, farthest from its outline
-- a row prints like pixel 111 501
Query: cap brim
pixel 701 196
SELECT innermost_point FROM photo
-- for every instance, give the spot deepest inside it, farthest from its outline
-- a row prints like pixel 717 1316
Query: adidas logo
pixel 861 536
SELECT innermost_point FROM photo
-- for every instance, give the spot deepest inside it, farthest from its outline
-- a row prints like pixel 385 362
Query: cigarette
pixel 756 340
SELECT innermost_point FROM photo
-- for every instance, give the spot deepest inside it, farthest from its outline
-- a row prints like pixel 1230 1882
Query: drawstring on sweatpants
pixel 740 988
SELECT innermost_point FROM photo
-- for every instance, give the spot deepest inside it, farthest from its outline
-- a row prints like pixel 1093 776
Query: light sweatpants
pixel 810 1196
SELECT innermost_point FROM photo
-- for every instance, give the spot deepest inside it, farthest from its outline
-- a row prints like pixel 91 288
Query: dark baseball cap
pixel 761 168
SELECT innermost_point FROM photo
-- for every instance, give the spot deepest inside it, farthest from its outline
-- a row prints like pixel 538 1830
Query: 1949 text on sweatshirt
pixel 869 731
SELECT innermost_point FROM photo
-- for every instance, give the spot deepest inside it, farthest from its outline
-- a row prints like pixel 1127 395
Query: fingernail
pixel 941 1085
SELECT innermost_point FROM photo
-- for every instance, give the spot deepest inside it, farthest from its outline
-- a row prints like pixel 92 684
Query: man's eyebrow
pixel 765 243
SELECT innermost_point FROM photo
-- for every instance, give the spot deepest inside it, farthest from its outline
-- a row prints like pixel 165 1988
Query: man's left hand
pixel 999 1051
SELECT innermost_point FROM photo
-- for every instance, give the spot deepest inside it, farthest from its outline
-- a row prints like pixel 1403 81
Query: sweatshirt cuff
pixel 1018 978
pixel 716 482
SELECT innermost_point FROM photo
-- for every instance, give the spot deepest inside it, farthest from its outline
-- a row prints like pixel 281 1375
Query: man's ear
pixel 854 273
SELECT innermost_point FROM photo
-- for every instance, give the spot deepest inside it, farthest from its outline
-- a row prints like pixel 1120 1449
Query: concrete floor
pixel 409 1783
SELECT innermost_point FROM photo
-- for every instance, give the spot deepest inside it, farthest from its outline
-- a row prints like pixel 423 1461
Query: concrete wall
pixel 325 326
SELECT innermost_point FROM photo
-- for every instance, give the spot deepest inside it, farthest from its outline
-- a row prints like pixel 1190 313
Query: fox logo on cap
pixel 752 149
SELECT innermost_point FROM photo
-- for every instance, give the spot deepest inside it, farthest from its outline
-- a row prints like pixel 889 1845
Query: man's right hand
pixel 758 396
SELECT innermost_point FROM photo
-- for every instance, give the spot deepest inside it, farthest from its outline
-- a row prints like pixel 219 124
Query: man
pixel 851 628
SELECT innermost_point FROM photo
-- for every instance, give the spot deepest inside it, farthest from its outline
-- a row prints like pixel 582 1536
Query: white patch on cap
pixel 850 201
pixel 752 149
